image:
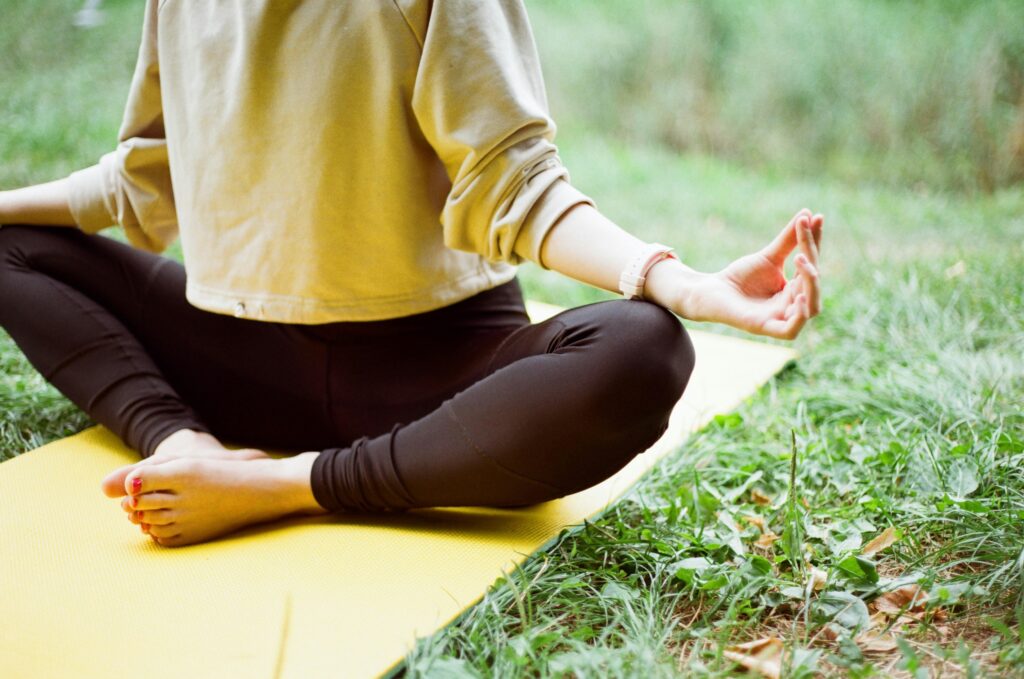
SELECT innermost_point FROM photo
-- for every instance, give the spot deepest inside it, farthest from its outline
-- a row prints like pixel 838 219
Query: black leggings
pixel 469 404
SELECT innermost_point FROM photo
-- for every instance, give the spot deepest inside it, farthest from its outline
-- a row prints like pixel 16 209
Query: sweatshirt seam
pixel 408 23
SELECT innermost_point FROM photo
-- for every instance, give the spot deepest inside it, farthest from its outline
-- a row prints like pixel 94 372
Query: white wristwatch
pixel 631 281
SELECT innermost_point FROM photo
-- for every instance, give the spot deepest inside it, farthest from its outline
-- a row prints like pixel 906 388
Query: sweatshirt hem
pixel 307 311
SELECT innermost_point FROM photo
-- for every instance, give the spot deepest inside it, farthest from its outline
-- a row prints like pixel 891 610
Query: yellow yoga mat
pixel 84 594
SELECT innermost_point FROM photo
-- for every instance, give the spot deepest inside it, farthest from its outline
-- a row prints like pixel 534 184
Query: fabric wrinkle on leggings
pixel 470 404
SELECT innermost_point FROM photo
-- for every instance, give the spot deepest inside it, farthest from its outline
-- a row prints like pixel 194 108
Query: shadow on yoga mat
pixel 85 594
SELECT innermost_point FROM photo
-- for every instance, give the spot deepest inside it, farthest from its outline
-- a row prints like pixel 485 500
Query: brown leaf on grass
pixel 904 600
pixel 766 539
pixel 830 632
pixel 763 656
pixel 883 541
pixel 907 604
pixel 818 578
pixel 755 520
pixel 759 498
pixel 874 642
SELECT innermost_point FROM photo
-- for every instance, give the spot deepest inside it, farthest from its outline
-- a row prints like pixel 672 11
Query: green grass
pixel 905 407
pixel 900 92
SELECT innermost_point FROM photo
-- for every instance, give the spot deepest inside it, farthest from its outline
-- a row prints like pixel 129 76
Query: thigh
pixel 252 382
pixel 398 370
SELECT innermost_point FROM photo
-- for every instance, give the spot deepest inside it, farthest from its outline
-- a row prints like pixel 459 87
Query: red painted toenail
pixel 136 484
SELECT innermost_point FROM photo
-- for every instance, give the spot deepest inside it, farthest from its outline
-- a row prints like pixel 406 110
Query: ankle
pixel 294 484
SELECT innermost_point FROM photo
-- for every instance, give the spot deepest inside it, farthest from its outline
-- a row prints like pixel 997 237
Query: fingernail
pixel 136 484
pixel 135 501
pixel 144 527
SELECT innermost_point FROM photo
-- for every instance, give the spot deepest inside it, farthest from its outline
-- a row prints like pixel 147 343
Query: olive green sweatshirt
pixel 325 160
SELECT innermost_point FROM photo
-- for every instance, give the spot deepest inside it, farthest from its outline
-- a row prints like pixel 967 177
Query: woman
pixel 354 185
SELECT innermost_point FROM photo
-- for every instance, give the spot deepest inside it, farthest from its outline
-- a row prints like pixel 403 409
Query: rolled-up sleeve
pixel 479 99
pixel 131 185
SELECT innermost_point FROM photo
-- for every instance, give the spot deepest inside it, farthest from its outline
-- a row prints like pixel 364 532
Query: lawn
pixel 901 420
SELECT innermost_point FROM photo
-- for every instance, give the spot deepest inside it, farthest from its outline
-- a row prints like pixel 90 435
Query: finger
pixel 148 501
pixel 811 289
pixel 793 307
pixel 789 327
pixel 817 222
pixel 812 245
pixel 805 242
pixel 154 517
pixel 779 249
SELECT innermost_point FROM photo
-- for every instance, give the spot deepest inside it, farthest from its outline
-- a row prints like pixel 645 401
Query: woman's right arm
pixel 43 204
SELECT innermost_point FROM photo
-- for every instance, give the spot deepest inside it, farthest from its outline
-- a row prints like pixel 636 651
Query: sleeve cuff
pixel 87 198
pixel 558 199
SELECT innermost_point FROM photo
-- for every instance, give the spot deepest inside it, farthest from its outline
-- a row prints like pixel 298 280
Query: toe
pixel 148 501
pixel 176 541
pixel 113 483
pixel 163 475
pixel 156 517
pixel 168 531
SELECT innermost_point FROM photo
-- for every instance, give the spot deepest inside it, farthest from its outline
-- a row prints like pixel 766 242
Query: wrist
pixel 673 285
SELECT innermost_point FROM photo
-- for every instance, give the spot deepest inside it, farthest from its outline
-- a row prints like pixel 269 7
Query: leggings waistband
pixel 499 307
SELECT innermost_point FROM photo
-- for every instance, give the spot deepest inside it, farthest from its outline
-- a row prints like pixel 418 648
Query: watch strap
pixel 633 277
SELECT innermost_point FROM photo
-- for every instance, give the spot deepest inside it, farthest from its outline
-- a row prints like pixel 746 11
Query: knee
pixel 15 241
pixel 654 354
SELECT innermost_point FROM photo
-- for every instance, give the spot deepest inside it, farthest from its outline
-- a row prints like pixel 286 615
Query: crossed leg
pixel 512 415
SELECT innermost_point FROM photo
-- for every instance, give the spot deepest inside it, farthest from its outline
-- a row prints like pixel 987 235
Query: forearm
pixel 43 204
pixel 589 247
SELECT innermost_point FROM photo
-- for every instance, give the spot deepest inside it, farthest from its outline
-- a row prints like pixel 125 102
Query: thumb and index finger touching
pixel 778 250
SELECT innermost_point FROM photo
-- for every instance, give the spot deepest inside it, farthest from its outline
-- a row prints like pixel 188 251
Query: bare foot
pixel 184 501
pixel 183 443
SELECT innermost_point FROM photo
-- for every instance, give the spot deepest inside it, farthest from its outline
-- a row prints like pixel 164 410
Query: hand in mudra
pixel 753 293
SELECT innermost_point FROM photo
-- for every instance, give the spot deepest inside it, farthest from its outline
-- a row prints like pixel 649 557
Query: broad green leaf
pixel 843 608
pixel 859 568
pixel 963 478
pixel 760 564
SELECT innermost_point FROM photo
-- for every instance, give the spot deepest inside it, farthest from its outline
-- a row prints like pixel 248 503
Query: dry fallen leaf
pixel 763 656
pixel 831 631
pixel 873 642
pixel 883 541
pixel 755 520
pixel 957 270
pixel 766 539
pixel 760 498
pixel 908 603
pixel 904 600
pixel 818 578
